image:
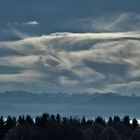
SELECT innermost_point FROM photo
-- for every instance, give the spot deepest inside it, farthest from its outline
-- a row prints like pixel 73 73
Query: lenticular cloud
pixel 72 62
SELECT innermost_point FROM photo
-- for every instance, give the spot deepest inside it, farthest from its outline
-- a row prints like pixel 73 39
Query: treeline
pixel 55 127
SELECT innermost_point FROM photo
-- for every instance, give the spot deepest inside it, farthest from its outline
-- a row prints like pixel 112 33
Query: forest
pixel 55 127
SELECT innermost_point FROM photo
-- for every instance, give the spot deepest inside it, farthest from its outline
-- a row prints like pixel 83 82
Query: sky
pixel 82 46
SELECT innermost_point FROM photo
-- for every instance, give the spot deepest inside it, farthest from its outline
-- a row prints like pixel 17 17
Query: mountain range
pixel 90 105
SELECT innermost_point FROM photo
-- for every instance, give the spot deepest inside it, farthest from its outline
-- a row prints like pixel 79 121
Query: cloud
pixel 23 77
pixel 118 22
pixel 31 23
pixel 72 62
pixel 28 23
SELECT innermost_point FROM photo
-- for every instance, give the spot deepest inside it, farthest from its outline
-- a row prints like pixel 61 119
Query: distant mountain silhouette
pixel 109 104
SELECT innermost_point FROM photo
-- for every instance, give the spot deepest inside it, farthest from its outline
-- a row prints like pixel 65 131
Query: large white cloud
pixel 71 62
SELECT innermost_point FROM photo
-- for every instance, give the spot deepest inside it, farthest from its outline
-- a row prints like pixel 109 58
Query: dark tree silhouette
pixel 127 128
pixel 10 122
pixel 134 124
pixel 100 121
pixel 110 121
pixel 21 120
pixel 126 120
pixel 53 127
pixel 58 119
pixel 2 127
pixel 29 119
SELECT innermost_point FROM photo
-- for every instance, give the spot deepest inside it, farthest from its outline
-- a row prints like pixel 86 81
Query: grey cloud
pixel 72 62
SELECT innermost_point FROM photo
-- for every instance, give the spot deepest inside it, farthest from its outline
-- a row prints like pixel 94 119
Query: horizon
pixel 65 93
